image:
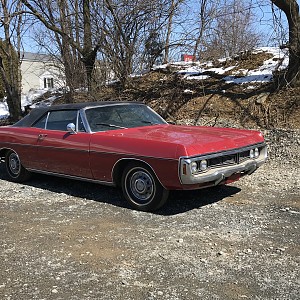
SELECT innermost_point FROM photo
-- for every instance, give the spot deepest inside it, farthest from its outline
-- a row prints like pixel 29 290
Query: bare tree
pixel 172 10
pixel 129 26
pixel 153 51
pixel 65 57
pixel 82 40
pixel 117 31
pixel 123 25
pixel 11 20
pixel 233 31
pixel 291 10
pixel 70 57
pixel 206 15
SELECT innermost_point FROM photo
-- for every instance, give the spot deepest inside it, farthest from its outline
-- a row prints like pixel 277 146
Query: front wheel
pixel 14 168
pixel 142 189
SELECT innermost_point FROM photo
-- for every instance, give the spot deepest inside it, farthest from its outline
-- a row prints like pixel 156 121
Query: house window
pixel 48 83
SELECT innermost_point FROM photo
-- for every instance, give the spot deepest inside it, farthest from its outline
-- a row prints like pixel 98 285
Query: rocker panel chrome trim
pixel 109 183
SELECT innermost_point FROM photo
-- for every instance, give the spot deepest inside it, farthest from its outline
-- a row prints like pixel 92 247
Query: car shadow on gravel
pixel 183 201
pixel 178 202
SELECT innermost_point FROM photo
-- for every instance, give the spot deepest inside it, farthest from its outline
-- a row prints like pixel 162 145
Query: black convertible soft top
pixel 38 112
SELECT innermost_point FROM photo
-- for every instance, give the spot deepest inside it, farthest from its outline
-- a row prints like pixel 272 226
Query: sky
pixel 264 23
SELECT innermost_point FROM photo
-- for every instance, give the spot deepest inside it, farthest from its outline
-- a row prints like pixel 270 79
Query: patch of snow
pixel 111 81
pixel 221 71
pixel 264 73
pixel 197 77
pixel 32 95
pixel 224 59
pixel 82 89
pixel 249 79
pixel 45 103
pixel 190 71
pixel 26 100
pixel 193 73
pixel 160 67
pixel 189 92
pixel 3 110
pixel 241 71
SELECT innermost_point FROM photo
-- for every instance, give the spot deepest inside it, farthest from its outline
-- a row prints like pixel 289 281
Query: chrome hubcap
pixel 141 185
pixel 14 164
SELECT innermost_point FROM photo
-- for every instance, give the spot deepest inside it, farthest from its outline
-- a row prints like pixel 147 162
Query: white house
pixel 40 72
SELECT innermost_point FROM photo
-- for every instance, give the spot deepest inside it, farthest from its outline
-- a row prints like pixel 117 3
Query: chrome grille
pixel 222 160
pixel 244 155
pixel 230 159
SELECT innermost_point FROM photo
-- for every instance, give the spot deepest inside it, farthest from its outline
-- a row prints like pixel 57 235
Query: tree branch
pixel 52 27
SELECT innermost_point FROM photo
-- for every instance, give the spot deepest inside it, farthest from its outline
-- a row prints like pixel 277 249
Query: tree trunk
pixel 291 10
pixel 89 55
pixel 89 59
pixel 169 30
pixel 10 76
pixel 12 96
pixel 203 22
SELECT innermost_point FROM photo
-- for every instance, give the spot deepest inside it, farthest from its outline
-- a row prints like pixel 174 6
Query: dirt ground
pixel 61 239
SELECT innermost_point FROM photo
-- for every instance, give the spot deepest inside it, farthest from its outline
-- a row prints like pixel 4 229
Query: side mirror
pixel 71 128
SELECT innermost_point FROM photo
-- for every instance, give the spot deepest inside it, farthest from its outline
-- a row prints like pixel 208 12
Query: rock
pixel 262 98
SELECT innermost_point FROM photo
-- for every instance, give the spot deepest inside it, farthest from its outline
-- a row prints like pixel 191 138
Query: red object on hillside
pixel 187 58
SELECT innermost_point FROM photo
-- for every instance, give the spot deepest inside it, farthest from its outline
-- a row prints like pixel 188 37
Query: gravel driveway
pixel 62 239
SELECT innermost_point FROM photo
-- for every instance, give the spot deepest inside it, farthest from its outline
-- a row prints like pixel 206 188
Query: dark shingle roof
pixel 38 57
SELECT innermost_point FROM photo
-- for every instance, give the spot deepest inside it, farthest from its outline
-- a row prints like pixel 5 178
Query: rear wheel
pixel 142 189
pixel 14 168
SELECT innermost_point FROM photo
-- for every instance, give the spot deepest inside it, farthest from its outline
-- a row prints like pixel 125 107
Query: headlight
pixel 254 153
pixel 203 165
pixel 194 167
pixel 198 166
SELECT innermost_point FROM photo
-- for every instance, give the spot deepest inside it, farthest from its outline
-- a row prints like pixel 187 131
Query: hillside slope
pixel 237 91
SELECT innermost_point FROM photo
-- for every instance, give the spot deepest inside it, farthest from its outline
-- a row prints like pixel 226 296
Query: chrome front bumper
pixel 218 174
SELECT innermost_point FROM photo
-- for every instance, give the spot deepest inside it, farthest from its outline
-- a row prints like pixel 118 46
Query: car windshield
pixel 121 116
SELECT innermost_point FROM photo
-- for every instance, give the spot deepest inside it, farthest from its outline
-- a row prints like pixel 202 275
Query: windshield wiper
pixel 111 125
pixel 149 122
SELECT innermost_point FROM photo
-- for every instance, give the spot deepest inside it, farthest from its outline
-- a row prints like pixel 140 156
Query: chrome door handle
pixel 41 136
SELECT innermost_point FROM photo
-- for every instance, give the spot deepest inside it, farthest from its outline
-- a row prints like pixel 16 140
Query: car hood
pixel 194 140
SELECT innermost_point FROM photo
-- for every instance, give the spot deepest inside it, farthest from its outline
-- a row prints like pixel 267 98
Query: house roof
pixel 38 57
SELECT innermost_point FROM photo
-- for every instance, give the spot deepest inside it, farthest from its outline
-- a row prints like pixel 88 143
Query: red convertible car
pixel 128 145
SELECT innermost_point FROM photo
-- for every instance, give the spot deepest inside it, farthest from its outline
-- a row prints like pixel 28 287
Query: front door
pixel 60 151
